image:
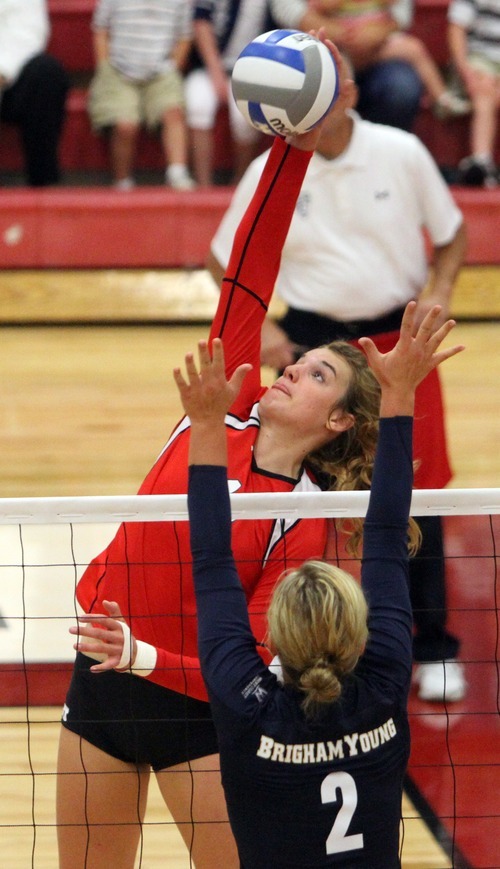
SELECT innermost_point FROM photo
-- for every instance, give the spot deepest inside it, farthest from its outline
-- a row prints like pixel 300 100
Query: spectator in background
pixel 353 257
pixel 140 48
pixel 33 87
pixel 389 90
pixel 373 17
pixel 221 29
pixel 474 40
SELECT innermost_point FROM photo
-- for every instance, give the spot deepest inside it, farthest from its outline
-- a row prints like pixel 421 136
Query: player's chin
pixel 274 394
pixel 274 405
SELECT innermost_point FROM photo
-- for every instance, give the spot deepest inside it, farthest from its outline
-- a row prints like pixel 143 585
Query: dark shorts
pixel 135 720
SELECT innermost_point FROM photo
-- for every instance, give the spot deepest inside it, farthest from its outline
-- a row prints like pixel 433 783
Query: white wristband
pixel 124 662
pixel 145 659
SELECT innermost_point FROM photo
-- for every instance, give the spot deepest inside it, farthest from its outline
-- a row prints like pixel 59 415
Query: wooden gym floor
pixel 87 405
pixel 85 410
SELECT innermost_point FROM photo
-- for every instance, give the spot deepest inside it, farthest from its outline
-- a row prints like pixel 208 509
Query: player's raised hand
pixel 417 352
pixel 205 392
pixel 308 141
pixel 206 396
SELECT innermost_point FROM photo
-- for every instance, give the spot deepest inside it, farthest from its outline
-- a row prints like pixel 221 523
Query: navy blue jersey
pixel 327 792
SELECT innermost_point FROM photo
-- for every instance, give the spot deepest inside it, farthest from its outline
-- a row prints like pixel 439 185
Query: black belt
pixel 312 330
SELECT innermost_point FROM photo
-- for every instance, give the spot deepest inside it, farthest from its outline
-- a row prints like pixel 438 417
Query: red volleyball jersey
pixel 146 568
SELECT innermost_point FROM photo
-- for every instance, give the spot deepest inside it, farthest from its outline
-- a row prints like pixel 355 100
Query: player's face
pixel 307 393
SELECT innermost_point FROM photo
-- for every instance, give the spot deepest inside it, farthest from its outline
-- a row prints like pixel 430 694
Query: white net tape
pixel 157 508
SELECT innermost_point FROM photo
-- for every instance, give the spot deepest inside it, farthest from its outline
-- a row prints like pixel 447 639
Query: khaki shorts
pixel 113 97
pixel 485 64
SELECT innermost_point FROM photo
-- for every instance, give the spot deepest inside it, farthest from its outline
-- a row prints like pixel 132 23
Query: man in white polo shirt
pixel 354 256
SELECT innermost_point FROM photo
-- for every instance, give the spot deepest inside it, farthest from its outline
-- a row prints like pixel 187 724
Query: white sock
pixel 125 184
pixel 484 159
pixel 177 170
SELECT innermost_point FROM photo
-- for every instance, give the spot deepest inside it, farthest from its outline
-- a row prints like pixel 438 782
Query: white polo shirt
pixel 356 248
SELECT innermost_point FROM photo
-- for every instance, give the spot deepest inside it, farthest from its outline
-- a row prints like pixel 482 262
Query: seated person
pixel 474 40
pixel 33 87
pixel 140 50
pixel 219 37
pixel 360 18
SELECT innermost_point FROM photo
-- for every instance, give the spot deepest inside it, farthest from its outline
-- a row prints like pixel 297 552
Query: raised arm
pixel 109 635
pixel 416 353
pixel 227 648
pixel 385 551
pixel 255 258
pixel 206 397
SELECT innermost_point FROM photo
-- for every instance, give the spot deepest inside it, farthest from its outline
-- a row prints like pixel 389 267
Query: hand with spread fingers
pixel 416 353
pixel 106 638
pixel 206 397
pixel 206 394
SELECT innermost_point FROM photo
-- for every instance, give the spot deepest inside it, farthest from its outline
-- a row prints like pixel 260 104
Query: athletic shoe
pixel 124 184
pixel 477 172
pixel 450 105
pixel 440 681
pixel 178 178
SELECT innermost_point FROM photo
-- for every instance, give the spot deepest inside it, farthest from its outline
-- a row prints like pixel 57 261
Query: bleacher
pixel 85 223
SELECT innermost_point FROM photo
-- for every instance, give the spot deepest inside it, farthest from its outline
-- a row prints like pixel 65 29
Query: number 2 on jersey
pixel 338 841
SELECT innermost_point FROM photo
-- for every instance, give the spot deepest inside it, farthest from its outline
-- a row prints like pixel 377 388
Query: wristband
pixel 145 660
pixel 146 655
pixel 124 662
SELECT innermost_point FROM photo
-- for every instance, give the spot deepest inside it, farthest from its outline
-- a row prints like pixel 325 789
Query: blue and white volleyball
pixel 285 82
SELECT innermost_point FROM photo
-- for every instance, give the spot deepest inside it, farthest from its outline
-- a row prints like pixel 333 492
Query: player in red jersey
pixel 316 426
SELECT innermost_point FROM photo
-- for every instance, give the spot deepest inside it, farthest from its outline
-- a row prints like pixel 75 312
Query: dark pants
pixel 36 104
pixel 389 93
pixel 432 642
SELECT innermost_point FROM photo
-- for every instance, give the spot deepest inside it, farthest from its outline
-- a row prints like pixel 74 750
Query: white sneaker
pixel 450 105
pixel 178 178
pixel 124 184
pixel 441 681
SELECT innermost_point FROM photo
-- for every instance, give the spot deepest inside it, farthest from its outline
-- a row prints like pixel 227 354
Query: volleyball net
pixel 45 545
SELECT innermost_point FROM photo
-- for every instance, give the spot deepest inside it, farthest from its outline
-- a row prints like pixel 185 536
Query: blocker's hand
pixel 417 352
pixel 207 395
pixel 106 638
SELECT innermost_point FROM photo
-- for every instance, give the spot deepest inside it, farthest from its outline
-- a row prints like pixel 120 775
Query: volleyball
pixel 285 82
